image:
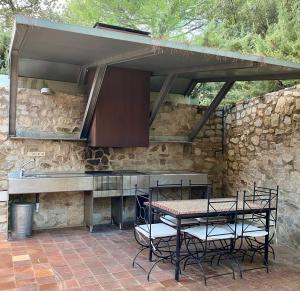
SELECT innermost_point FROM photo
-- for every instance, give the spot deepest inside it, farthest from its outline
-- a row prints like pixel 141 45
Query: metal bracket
pixel 212 107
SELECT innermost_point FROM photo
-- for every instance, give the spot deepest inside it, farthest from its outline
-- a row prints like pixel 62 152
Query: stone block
pixel 234 140
pixel 274 120
pixel 255 140
pixel 287 158
pixel 258 122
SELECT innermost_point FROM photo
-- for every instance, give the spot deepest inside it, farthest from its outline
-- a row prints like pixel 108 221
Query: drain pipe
pixel 37 202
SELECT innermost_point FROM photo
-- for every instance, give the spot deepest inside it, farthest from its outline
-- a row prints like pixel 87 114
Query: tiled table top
pixel 200 206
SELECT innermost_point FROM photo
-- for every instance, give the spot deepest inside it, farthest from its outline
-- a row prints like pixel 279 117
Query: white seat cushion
pixel 249 230
pixel 172 221
pixel 158 230
pixel 214 232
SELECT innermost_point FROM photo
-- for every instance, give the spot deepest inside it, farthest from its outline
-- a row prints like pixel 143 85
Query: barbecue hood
pixel 121 117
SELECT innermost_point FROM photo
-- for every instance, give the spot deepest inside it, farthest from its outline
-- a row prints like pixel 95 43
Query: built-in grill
pixel 120 187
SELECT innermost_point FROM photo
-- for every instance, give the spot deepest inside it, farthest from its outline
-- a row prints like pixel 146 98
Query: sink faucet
pixel 22 170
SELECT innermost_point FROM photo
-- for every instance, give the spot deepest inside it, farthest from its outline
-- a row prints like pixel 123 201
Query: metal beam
pixel 254 77
pixel 212 107
pixel 13 92
pixel 191 87
pixel 209 68
pixel 19 36
pixel 125 57
pixel 165 89
pixel 37 135
pixel 92 101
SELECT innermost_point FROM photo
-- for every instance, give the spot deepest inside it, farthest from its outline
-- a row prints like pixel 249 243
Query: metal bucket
pixel 22 217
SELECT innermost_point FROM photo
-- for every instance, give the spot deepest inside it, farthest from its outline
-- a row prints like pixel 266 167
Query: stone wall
pixel 63 113
pixel 263 145
pixel 49 113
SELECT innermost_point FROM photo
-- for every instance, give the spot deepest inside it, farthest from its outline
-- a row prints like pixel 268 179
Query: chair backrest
pixel 255 208
pixel 143 208
pixel 218 208
pixel 208 189
pixel 174 186
pixel 259 191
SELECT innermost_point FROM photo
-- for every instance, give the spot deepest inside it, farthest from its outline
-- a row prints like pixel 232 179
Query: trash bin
pixel 22 216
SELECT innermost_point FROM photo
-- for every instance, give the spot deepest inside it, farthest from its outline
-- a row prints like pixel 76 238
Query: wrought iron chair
pixel 158 238
pixel 168 219
pixel 208 192
pixel 255 211
pixel 206 242
pixel 258 193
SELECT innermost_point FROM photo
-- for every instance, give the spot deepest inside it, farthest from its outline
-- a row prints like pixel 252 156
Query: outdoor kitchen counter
pixel 41 182
pixel 49 182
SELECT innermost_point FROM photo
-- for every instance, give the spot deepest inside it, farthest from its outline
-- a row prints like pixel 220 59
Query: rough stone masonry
pixel 63 113
pixel 259 142
pixel 263 145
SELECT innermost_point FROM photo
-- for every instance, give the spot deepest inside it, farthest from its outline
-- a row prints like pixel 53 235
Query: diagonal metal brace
pixel 212 107
pixel 165 89
pixel 92 101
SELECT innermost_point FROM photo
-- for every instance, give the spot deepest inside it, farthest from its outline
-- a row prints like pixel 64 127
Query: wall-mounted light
pixel 46 91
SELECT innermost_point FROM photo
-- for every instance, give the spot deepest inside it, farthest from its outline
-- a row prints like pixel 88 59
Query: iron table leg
pixel 178 245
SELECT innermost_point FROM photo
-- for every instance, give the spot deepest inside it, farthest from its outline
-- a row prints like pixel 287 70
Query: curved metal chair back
pixel 143 209
pixel 255 210
pixel 220 208
pixel 273 194
pixel 177 186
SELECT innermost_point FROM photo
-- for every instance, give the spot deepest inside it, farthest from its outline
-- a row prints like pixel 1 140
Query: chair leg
pixel 203 273
pixel 148 275
pixel 134 259
pixel 237 263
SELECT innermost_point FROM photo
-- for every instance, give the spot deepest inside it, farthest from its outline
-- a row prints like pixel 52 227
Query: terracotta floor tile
pixel 30 287
pixel 93 287
pixel 121 275
pixel 71 283
pixel 24 275
pixel 88 280
pixel 43 273
pixel 49 287
pixel 26 282
pixel 111 285
pixel 20 258
pixel 7 285
pixel 46 280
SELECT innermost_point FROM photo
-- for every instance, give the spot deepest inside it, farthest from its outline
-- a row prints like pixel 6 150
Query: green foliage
pixel 163 18
pixel 4 44
pixel 10 8
pixel 268 27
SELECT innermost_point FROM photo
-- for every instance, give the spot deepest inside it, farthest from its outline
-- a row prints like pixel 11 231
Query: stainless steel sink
pixel 53 175
pixel 37 182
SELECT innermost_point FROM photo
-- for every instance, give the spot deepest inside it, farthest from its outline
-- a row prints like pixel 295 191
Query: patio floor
pixel 74 259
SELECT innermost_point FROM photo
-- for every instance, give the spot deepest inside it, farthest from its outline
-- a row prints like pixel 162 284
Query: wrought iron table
pixel 198 208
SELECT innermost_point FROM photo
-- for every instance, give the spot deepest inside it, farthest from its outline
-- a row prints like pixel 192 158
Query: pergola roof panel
pixel 57 51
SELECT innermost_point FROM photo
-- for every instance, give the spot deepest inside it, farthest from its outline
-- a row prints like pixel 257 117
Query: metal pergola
pixel 56 51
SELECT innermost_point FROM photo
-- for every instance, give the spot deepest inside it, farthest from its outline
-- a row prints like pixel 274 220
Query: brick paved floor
pixel 74 259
